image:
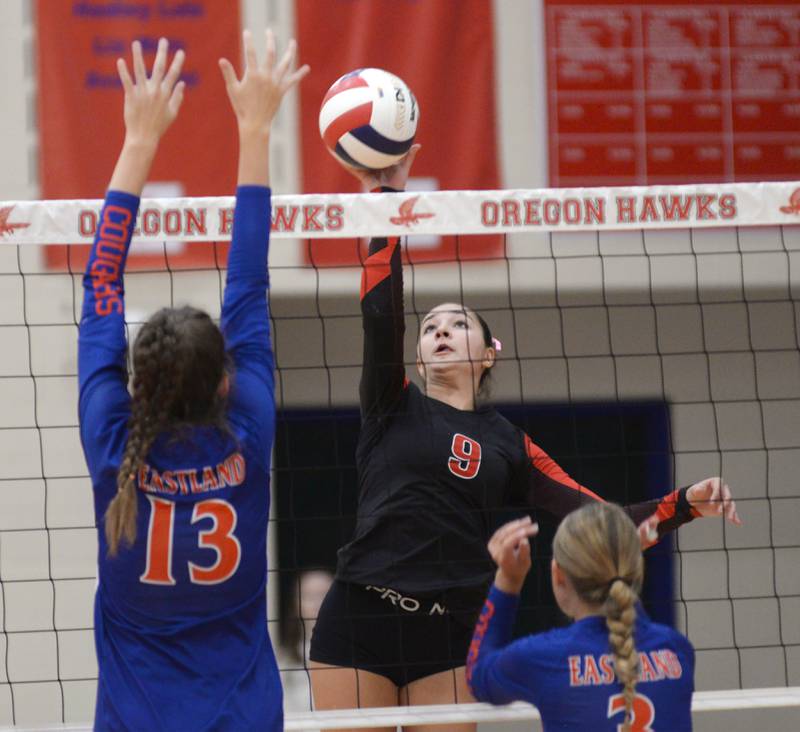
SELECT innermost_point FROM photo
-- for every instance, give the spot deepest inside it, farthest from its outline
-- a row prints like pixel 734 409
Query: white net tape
pixel 441 212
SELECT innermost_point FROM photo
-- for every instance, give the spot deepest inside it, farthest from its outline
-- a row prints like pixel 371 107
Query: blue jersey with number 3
pixel 568 673
pixel 180 617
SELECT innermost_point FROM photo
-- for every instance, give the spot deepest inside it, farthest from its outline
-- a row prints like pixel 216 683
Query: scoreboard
pixel 672 92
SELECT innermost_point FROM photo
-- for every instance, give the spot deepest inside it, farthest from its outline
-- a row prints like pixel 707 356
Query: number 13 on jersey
pixel 219 537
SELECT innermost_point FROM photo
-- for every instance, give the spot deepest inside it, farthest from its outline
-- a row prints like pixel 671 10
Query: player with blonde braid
pixel 599 550
pixel 613 669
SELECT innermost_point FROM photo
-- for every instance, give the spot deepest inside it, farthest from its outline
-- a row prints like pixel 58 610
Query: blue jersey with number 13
pixel 180 617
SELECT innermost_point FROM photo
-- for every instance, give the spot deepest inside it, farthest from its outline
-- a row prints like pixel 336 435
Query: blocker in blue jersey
pixel 612 670
pixel 180 468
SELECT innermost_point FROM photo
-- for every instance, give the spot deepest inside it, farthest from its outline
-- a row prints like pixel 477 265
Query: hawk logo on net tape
pixel 5 226
pixel 794 203
pixel 407 216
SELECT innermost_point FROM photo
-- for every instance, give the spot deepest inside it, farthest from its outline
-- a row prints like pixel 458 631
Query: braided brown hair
pixel 598 548
pixel 178 363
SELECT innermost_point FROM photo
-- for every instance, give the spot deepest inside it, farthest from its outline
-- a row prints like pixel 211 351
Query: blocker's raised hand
pixel 256 97
pixel 510 549
pixel 151 103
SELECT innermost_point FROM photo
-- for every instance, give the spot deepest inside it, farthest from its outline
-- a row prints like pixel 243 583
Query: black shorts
pixel 400 637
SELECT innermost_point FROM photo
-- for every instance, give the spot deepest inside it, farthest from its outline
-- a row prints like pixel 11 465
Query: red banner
pixel 444 51
pixel 647 92
pixel 80 106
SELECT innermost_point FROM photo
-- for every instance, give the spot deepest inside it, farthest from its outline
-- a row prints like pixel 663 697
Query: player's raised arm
pixel 255 99
pixel 383 371
pixel 151 104
pixel 496 669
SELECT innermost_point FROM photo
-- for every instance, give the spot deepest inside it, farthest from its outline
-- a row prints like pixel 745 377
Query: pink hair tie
pixel 497 345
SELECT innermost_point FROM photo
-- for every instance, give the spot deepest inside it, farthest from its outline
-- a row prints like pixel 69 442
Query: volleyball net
pixel 650 338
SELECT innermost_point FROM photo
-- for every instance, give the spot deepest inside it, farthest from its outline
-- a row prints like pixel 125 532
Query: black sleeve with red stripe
pixel 383 373
pixel 551 489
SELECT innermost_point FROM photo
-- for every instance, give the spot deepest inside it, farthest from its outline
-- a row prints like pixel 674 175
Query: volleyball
pixel 368 119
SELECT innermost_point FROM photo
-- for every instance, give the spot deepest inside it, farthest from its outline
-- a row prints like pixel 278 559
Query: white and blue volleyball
pixel 368 119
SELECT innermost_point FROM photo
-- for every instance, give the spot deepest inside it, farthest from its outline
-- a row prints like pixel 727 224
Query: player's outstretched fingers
pixel 139 70
pixel 160 62
pixel 250 58
pixel 174 72
pixel 228 74
pixel 500 536
pixel 176 98
pixel 269 56
pixel 513 541
pixel 730 506
pixel 124 76
pixel 287 60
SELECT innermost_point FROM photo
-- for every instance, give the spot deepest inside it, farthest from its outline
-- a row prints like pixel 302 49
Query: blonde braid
pixel 620 610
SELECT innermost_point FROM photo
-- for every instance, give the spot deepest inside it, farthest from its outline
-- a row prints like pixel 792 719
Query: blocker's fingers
pixel 124 75
pixel 501 535
pixel 524 551
pixel 269 56
pixel 523 533
pixel 161 61
pixel 228 73
pixel 287 60
pixel 518 537
pixel 139 70
pixel 175 67
pixel 250 58
pixel 296 76
pixel 176 98
pixel 508 552
pixel 512 527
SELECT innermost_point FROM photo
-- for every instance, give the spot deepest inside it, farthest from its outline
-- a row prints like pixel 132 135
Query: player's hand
pixel 395 176
pixel 256 97
pixel 648 531
pixel 510 549
pixel 151 104
pixel 712 497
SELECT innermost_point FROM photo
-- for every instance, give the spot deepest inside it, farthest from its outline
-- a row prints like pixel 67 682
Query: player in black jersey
pixel 396 624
